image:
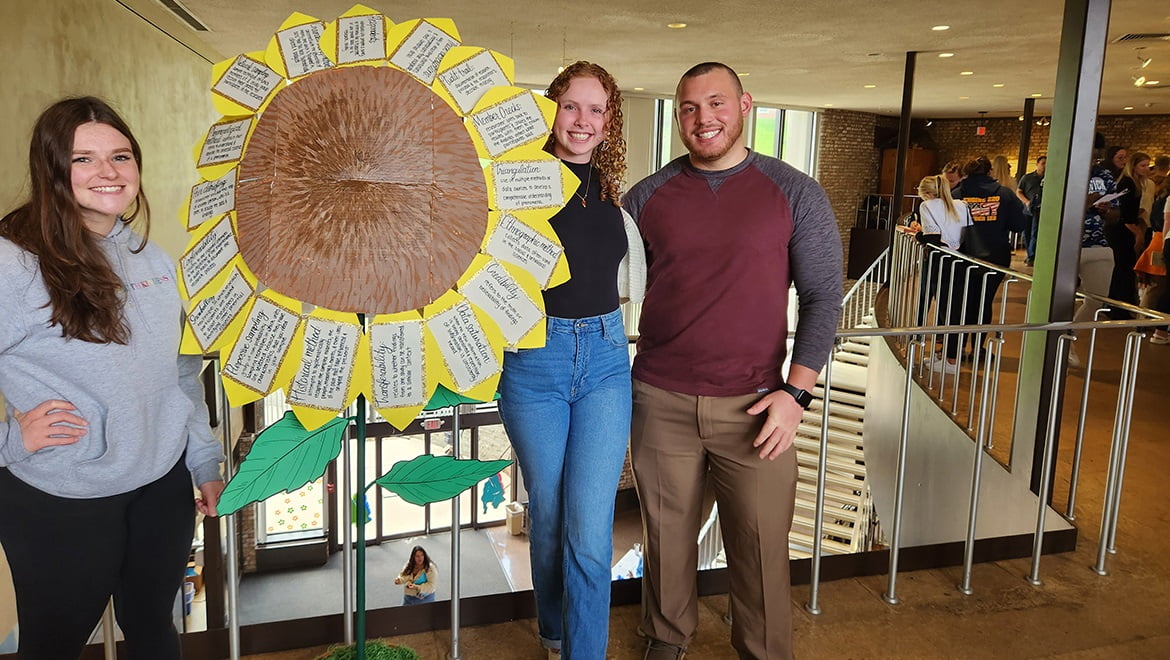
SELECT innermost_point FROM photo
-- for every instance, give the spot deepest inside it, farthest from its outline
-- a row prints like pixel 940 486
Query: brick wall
pixel 246 519
pixel 847 163
pixel 957 139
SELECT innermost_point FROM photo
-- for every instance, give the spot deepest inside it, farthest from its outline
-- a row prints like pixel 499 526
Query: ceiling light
pixel 639 89
pixel 744 73
pixel 869 86
pixel 966 73
pixel 1151 83
pixel 1139 81
pixel 1146 62
pixel 940 28
pixel 1020 118
pixel 1037 95
pixel 946 54
pixel 676 26
pixel 828 105
pixel 560 70
pixel 964 98
pixel 1128 107
pixel 998 85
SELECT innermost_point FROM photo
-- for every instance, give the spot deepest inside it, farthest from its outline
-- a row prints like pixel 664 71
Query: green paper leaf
pixel 427 479
pixel 283 458
pixel 445 398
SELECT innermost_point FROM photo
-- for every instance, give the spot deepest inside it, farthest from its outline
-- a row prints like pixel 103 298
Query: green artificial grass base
pixel 375 650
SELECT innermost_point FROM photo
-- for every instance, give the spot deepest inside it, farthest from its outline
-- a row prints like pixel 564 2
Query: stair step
pixel 840 423
pixel 850 377
pixel 839 395
pixel 833 497
pixel 835 435
pixel 833 479
pixel 838 408
pixel 850 358
pixel 812 447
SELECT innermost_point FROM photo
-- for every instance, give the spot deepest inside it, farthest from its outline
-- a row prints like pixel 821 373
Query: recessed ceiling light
pixel 744 73
pixel 869 86
pixel 1128 107
pixel 676 26
pixel 940 28
pixel 1021 118
pixel 946 54
pixel 964 98
pixel 966 73
pixel 828 105
pixel 639 89
pixel 1037 95
pixel 1150 83
pixel 998 85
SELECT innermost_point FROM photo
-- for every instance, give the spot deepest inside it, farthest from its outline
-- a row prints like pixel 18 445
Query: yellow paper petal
pixel 367 51
pixel 527 253
pixel 412 46
pixel 509 111
pixel 191 342
pixel 248 89
pixel 468 72
pixel 399 416
pixel 308 57
pixel 187 278
pixel 238 392
pixel 211 199
pixel 225 142
pixel 314 415
pixel 494 341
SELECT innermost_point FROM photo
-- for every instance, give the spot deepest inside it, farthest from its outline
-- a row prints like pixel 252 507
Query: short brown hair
pixel 705 68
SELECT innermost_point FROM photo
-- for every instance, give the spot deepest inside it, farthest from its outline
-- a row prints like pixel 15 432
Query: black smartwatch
pixel 802 397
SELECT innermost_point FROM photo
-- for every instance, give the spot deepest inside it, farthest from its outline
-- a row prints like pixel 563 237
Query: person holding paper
pixel 727 232
pixel 418 578
pixel 566 406
pixel 105 428
pixel 1095 262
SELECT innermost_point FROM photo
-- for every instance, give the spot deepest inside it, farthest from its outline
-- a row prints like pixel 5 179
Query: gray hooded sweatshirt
pixel 143 401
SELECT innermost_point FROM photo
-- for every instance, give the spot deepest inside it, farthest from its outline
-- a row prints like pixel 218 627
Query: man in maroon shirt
pixel 726 231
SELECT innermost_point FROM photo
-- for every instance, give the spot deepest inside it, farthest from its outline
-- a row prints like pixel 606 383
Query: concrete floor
pixel 1074 614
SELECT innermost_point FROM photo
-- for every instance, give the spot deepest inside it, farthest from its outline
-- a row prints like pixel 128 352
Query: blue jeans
pixel 566 409
pixel 407 599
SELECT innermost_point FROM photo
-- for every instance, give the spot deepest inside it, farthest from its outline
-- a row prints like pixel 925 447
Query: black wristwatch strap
pixel 802 396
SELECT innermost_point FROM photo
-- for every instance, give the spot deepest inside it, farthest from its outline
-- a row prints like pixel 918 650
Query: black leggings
pixel 68 556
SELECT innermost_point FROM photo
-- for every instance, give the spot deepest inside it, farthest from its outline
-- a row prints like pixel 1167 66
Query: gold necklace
pixel 588 179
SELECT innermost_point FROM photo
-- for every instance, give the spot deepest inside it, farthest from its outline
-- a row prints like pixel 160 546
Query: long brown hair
pixel 1130 169
pixel 610 156
pixel 84 292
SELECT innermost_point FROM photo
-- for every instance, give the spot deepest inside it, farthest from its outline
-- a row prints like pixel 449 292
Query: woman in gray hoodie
pixel 105 430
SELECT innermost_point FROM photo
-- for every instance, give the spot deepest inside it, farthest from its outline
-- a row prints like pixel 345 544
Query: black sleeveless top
pixel 594 237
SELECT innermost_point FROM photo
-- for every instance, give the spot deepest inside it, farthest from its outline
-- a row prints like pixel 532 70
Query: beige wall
pixel 59 48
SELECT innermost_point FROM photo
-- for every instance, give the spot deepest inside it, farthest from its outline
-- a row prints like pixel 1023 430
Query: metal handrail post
pixel 1046 470
pixel 813 606
pixel 347 570
pixel 456 561
pixel 890 596
pixel 1109 510
pixel 232 567
pixel 1074 477
pixel 976 353
pixel 1135 338
pixel 976 478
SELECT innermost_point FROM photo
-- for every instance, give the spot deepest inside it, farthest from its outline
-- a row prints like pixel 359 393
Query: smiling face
pixel 104 175
pixel 710 119
pixel 1119 158
pixel 582 117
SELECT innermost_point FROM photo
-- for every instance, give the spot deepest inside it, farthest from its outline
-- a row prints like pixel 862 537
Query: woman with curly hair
pixel 566 406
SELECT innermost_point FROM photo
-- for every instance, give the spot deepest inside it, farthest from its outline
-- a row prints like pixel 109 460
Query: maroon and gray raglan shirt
pixel 722 248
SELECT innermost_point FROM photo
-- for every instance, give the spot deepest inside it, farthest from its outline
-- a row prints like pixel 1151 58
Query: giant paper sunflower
pixel 367 168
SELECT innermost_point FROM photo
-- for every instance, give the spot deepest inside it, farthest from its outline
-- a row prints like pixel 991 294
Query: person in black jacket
pixel 995 212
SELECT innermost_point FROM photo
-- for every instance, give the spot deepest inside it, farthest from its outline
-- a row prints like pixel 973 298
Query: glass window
pixel 798 146
pixel 766 131
pixel 664 130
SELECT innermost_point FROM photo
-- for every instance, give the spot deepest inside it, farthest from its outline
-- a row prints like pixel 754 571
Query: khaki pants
pixel 677 443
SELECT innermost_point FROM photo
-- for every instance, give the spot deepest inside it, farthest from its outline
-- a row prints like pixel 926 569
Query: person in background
pixel 1115 160
pixel 727 232
pixel 1159 299
pixel 996 211
pixel 1127 238
pixel 105 431
pixel 566 406
pixel 1160 170
pixel 1096 258
pixel 1030 191
pixel 953 173
pixel 943 220
pixel 418 578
